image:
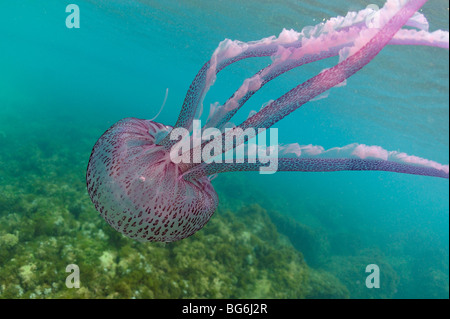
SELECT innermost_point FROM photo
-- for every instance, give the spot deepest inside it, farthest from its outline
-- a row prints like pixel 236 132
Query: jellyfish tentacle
pixel 314 158
pixel 313 49
pixel 437 38
pixel 332 31
pixel 362 54
pixel 233 51
pixel 368 45
pixel 205 78
pixel 296 58
pixel 320 165
pixel 229 52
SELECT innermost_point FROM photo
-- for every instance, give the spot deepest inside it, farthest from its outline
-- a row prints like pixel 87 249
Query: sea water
pixel 61 88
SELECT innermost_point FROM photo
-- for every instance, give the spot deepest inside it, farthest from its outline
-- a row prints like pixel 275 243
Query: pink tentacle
pixel 320 165
pixel 335 75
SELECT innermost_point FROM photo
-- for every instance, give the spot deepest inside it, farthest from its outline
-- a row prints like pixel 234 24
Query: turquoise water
pixel 61 88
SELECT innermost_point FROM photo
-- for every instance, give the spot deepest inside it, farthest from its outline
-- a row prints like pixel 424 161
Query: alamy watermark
pixel 208 146
pixel 73 19
pixel 373 280
pixel 73 280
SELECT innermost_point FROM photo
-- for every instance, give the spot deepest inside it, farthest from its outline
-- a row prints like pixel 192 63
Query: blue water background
pixel 126 53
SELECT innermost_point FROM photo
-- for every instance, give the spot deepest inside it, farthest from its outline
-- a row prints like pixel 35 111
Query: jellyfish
pixel 142 193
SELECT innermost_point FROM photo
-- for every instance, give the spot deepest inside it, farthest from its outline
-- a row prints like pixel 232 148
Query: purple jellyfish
pixel 142 193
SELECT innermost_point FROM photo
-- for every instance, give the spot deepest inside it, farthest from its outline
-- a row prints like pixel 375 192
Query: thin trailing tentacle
pixel 162 106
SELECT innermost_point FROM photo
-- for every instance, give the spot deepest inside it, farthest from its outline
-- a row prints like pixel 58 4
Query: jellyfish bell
pixel 139 191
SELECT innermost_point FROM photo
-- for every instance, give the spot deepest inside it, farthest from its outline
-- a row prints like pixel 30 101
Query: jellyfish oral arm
pixel 364 45
pixel 370 43
pixel 322 165
pixel 312 50
pixel 360 43
pixel 304 47
pixel 230 52
pixel 353 157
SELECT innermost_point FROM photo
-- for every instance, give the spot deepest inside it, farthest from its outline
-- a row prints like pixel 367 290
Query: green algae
pixel 237 255
pixel 8 241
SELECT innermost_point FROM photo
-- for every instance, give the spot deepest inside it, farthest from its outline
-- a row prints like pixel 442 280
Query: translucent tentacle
pixel 162 106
